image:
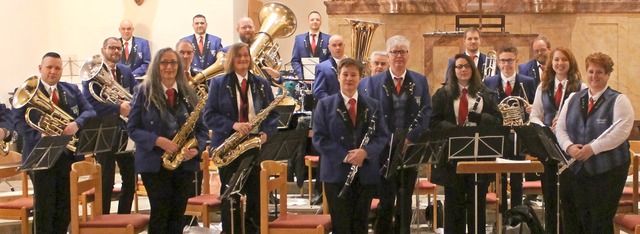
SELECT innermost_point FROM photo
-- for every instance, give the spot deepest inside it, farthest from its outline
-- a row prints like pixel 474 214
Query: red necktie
pixel 508 89
pixel 170 97
pixel 126 50
pixel 54 96
pixel 590 105
pixel 473 58
pixel 313 43
pixel 463 109
pixel 352 111
pixel 559 95
pixel 201 45
pixel 114 74
pixel 399 84
pixel 244 105
pixel 541 67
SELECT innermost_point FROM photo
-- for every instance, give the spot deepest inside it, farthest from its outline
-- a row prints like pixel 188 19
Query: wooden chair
pixel 492 199
pixel 425 187
pixel 18 208
pixel 311 161
pixel 629 199
pixel 88 196
pixel 85 176
pixel 203 205
pixel 273 177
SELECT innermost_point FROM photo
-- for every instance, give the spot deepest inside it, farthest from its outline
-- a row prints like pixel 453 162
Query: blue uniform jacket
pixel 6 121
pixel 495 83
pixel 212 45
pixel 530 69
pixel 326 82
pixel 139 57
pixel 334 135
pixel 302 49
pixel 70 100
pixel 144 127
pixel 127 81
pixel 481 60
pixel 380 88
pixel 221 111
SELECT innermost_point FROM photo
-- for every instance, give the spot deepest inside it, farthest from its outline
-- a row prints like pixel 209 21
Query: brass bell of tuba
pixel 361 36
pixel 278 21
pixel 53 119
pixel 110 91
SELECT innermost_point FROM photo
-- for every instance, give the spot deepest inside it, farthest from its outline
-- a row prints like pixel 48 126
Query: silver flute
pixel 599 137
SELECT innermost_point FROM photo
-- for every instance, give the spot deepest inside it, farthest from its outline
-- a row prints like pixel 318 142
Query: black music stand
pixel 285 145
pixel 285 112
pixel 98 135
pixel 46 153
pixel 476 144
pixel 541 142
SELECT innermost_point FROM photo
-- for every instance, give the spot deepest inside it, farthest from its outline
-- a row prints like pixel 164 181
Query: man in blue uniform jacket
pixel 326 82
pixel 136 53
pixel 472 41
pixel 534 68
pixel 207 45
pixel 311 44
pixel 51 186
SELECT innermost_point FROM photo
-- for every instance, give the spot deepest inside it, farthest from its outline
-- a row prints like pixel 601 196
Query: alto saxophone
pixel 239 143
pixel 171 161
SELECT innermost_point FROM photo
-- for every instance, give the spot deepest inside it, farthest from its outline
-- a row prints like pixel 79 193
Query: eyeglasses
pixel 116 48
pixel 399 52
pixel 463 66
pixel 509 60
pixel 167 63
pixel 185 52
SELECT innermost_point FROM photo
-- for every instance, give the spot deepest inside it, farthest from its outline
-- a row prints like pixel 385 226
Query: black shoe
pixel 316 199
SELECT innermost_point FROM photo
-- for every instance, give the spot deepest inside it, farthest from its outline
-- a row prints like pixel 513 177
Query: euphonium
pixel 490 64
pixel 53 119
pixel 238 143
pixel 171 161
pixel 513 109
pixel 361 36
pixel 110 91
pixel 278 21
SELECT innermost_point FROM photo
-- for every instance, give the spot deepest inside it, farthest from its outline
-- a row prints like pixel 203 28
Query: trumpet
pixel 53 119
pixel 490 64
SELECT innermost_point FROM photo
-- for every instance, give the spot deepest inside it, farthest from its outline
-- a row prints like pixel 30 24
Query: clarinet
pixel 354 168
pixel 385 168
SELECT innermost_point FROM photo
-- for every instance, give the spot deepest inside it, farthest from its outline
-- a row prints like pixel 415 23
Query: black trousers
pixel 350 214
pixel 126 164
pixel 168 193
pixel 459 203
pixel 549 180
pixel 589 202
pixel 52 196
pixel 250 188
pixel 396 191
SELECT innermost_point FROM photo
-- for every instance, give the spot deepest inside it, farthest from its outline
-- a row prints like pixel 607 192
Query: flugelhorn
pixel 53 119
pixel 110 91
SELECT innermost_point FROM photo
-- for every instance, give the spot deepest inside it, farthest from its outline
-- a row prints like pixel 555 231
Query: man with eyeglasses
pixel 406 104
pixel 186 50
pixel 471 42
pixel 534 68
pixel 311 44
pixel 136 53
pixel 122 75
pixel 508 83
pixel 207 45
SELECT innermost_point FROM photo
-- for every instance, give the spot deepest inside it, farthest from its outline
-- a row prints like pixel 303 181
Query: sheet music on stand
pixel 98 135
pixel 473 143
pixel 285 145
pixel 309 67
pixel 46 153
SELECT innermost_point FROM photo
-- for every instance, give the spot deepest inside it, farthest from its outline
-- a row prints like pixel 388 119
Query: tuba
pixel 53 119
pixel 278 21
pixel 361 36
pixel 490 64
pixel 110 91
pixel 513 110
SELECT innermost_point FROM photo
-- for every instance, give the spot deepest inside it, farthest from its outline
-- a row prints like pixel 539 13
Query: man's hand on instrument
pixel 189 153
pixel 125 108
pixel 167 145
pixel 243 128
pixel 272 72
pixel 263 137
pixel 356 157
pixel 553 124
pixel 529 108
pixel 70 129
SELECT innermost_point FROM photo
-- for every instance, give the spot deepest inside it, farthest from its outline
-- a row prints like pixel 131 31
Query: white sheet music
pixel 309 67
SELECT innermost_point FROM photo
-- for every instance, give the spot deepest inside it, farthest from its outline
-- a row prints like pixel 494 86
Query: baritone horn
pixel 361 36
pixel 110 91
pixel 278 21
pixel 53 119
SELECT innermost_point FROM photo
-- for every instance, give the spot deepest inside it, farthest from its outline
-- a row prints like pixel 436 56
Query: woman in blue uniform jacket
pixel 160 107
pixel 459 189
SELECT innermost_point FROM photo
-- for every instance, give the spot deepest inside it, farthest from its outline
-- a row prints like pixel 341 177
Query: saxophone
pixel 171 161
pixel 239 143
